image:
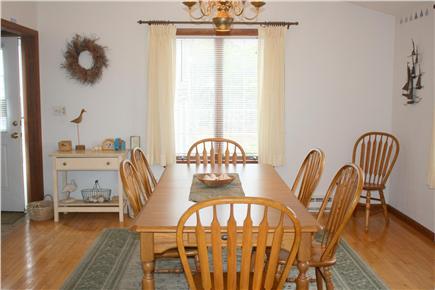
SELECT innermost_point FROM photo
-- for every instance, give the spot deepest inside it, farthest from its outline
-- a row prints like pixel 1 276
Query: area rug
pixel 113 263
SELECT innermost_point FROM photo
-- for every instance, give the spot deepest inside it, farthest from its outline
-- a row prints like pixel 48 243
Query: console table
pixel 90 161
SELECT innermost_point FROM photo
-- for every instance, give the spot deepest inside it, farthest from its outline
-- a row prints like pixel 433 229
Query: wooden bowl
pixel 215 183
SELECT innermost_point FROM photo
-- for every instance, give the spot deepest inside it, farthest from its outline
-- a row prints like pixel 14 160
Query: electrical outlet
pixel 59 111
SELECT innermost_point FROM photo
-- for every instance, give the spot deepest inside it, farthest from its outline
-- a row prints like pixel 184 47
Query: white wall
pixel 412 124
pixel 338 80
pixel 338 76
pixel 23 13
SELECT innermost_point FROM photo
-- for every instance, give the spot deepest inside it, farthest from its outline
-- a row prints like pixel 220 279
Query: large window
pixel 216 91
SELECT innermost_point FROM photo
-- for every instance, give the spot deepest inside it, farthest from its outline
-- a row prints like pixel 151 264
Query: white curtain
pixel 431 177
pixel 161 92
pixel 271 63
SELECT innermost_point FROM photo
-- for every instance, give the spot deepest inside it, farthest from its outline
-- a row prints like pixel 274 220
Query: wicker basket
pixel 41 210
pixel 96 194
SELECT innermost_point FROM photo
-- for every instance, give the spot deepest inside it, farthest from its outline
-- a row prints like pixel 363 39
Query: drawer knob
pixel 107 163
pixel 64 164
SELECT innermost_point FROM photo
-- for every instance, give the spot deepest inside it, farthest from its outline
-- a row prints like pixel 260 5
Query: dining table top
pixel 171 196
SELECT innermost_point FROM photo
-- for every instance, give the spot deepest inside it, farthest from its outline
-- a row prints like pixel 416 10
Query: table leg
pixel 304 255
pixel 55 193
pixel 120 196
pixel 147 259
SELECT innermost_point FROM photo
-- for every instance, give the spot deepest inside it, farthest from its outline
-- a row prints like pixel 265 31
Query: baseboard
pixel 416 225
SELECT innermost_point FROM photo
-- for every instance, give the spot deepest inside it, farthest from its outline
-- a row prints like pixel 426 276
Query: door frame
pixel 32 106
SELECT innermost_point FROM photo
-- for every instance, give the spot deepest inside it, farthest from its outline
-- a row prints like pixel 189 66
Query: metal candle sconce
pixel 413 80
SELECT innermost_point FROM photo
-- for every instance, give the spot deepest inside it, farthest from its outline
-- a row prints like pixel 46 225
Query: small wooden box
pixel 64 145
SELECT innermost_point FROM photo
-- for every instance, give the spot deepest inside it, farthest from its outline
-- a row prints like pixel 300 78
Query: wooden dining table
pixel 157 222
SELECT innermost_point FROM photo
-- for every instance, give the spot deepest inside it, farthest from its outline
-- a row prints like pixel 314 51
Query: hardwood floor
pixel 403 257
pixel 40 255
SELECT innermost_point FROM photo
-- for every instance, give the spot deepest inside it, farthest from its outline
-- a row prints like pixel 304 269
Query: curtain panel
pixel 271 101
pixel 161 93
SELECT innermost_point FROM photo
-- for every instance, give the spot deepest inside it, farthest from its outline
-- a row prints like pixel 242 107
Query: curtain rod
pixel 272 23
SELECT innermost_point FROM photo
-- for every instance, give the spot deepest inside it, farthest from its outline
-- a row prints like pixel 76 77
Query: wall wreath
pixel 74 48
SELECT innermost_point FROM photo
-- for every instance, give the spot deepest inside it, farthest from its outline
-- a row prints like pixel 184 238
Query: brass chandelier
pixel 224 12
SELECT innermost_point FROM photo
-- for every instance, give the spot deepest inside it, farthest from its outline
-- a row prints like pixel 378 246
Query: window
pixel 216 91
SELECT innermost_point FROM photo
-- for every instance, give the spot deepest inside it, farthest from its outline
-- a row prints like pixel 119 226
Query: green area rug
pixel 113 263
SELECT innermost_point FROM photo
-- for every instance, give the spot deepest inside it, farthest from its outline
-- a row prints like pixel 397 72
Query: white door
pixel 12 182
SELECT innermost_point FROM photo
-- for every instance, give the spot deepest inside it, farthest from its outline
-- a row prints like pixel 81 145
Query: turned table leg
pixel 147 259
pixel 304 255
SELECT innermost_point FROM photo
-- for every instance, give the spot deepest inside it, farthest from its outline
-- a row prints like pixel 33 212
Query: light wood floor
pixel 40 255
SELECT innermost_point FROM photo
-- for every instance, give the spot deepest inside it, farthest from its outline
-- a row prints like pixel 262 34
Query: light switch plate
pixel 59 111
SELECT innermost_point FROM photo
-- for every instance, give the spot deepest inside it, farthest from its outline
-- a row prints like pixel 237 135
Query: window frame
pixel 201 32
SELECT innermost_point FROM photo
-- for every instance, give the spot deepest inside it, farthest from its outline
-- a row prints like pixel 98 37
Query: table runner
pixel 200 192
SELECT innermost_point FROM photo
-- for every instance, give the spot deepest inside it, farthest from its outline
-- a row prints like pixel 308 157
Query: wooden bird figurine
pixel 77 121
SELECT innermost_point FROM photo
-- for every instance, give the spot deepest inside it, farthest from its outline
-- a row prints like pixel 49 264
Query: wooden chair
pixel 346 189
pixel 216 150
pixel 137 196
pixel 144 169
pixel 376 153
pixel 265 274
pixel 136 193
pixel 309 176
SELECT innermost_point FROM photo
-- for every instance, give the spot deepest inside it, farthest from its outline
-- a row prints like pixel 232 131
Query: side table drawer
pixel 87 164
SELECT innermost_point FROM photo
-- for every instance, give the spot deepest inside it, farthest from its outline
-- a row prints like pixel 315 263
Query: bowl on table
pixel 215 180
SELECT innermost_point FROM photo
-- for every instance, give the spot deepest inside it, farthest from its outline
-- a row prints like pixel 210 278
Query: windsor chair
pixel 259 273
pixel 216 151
pixel 309 176
pixel 376 153
pixel 141 164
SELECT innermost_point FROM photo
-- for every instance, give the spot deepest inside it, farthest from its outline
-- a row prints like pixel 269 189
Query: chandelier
pixel 224 12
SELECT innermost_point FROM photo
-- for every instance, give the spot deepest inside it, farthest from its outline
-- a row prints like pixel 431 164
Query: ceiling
pixel 395 8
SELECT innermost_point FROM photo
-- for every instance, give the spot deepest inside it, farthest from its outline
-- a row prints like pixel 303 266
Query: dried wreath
pixel 75 47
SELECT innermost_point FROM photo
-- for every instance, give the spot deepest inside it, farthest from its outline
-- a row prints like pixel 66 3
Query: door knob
pixel 15 123
pixel 15 135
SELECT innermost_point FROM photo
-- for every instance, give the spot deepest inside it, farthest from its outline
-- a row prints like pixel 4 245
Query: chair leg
pixel 368 196
pixel 197 266
pixel 384 205
pixel 328 278
pixel 319 279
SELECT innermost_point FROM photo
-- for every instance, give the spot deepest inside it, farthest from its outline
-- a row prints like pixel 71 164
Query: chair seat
pixel 372 186
pixel 173 253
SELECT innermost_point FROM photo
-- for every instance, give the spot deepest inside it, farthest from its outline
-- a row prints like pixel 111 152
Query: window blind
pixel 216 91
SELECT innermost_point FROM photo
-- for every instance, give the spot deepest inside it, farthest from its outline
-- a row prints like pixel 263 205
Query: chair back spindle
pixel 227 239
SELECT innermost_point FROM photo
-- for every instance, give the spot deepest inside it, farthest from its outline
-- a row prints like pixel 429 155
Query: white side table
pixel 89 161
